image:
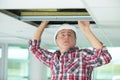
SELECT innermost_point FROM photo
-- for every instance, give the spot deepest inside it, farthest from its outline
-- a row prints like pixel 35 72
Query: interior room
pixel 19 19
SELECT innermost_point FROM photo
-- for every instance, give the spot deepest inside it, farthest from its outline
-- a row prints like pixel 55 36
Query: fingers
pixel 83 23
pixel 45 22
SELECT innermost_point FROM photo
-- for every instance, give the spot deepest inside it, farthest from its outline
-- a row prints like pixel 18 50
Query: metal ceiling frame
pixel 55 18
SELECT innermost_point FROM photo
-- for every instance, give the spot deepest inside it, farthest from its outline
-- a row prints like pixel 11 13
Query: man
pixel 70 62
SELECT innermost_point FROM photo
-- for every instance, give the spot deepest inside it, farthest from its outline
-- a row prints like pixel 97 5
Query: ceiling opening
pixel 55 16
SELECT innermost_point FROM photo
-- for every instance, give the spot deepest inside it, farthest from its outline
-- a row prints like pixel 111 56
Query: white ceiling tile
pixel 103 3
pixel 106 14
pixel 14 27
pixel 37 4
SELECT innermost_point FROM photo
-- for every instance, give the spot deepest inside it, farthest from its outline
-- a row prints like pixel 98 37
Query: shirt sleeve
pixel 41 54
pixel 97 57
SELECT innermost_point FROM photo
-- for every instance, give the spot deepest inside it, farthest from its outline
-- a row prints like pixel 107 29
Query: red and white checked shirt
pixel 75 64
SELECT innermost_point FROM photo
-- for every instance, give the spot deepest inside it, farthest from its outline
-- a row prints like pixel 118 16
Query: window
pixel 110 71
pixel 18 63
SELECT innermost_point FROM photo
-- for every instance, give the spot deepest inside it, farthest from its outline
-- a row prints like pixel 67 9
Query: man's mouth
pixel 66 41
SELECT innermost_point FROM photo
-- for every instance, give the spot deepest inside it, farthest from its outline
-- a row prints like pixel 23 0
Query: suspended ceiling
pixel 103 14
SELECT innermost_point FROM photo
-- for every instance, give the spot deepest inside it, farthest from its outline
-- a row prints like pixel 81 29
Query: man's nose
pixel 66 36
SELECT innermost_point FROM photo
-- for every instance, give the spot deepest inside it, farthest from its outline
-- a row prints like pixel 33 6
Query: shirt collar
pixel 73 49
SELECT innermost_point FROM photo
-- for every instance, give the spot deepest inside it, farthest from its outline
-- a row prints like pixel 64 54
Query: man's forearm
pixel 92 39
pixel 85 27
pixel 39 31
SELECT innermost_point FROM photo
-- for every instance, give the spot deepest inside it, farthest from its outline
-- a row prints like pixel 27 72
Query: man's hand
pixel 45 22
pixel 84 25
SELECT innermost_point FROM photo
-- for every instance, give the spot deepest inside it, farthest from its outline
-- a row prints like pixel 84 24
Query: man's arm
pixel 85 27
pixel 34 45
pixel 100 55
pixel 39 31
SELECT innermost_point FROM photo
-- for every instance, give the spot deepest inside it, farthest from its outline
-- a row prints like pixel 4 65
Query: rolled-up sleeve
pixel 97 57
pixel 41 54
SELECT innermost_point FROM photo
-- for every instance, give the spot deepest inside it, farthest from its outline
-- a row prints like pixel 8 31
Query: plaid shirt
pixel 75 64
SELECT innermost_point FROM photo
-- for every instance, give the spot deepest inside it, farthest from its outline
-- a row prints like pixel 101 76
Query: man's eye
pixel 69 35
pixel 63 34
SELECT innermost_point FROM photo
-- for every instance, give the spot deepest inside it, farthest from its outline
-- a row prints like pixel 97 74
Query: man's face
pixel 66 38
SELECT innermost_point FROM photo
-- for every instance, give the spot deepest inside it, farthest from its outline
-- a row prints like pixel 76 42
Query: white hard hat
pixel 65 26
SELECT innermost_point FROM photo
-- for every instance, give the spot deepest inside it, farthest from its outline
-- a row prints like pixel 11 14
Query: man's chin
pixel 67 46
